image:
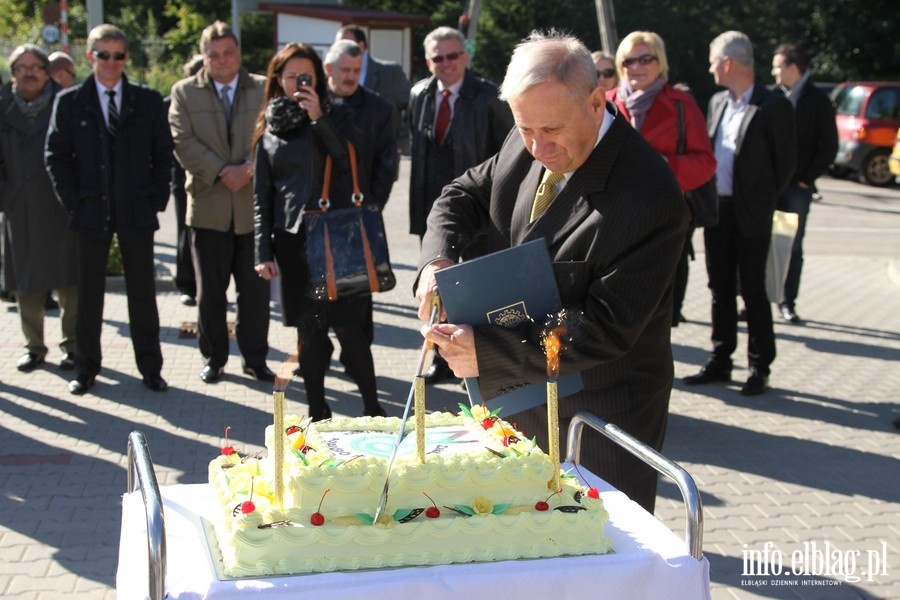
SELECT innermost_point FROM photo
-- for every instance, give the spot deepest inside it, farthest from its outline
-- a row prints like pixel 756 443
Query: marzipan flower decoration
pixel 482 506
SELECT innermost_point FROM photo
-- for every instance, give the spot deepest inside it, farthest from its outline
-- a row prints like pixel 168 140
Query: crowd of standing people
pixel 598 136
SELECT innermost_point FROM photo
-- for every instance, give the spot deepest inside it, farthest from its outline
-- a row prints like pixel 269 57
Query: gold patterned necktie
pixel 545 193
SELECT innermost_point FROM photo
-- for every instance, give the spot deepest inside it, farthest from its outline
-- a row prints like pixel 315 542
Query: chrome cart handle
pixel 693 506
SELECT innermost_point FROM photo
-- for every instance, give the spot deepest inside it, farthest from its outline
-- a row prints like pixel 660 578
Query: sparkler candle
pixel 419 407
pixel 552 347
pixel 282 378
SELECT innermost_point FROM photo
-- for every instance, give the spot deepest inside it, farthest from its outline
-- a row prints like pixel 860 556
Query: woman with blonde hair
pixel 652 106
pixel 607 78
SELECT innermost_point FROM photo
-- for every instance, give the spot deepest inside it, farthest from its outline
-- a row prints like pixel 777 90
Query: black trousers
pixel 727 253
pixel 140 288
pixel 184 263
pixel 218 256
pixel 645 419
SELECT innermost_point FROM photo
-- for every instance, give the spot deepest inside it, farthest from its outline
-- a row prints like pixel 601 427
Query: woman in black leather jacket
pixel 295 131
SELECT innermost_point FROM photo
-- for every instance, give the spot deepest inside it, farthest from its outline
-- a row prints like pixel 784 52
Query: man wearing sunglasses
pixel 109 154
pixel 457 121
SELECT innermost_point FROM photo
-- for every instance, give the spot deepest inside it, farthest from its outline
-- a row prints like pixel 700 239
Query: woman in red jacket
pixel 648 101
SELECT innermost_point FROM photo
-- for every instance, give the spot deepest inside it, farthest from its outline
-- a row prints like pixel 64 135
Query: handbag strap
pixel 357 197
pixel 681 142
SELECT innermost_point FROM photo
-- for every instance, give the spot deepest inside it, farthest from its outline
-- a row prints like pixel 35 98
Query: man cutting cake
pixel 577 174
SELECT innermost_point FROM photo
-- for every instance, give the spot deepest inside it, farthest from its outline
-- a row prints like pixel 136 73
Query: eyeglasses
pixel 18 69
pixel 644 60
pixel 438 59
pixel 104 55
pixel 607 73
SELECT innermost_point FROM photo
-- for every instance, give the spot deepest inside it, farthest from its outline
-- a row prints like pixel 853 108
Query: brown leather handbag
pixel 346 248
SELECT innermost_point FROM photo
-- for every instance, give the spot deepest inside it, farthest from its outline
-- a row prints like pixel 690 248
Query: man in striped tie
pixel 122 127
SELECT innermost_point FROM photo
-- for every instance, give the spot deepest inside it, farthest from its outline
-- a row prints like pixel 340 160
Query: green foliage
pixel 850 39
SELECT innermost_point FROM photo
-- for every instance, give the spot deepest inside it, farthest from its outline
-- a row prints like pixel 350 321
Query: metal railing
pixel 140 464
pixel 693 529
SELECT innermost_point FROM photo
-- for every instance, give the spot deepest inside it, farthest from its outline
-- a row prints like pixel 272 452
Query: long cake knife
pixel 420 366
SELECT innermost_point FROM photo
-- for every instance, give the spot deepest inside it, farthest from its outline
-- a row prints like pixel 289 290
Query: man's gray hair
pixel 551 56
pixel 734 45
pixel 444 33
pixel 33 49
pixel 340 48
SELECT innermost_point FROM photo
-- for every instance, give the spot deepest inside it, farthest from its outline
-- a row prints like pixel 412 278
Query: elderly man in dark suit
pixel 614 230
pixel 752 130
pixel 817 144
pixel 109 154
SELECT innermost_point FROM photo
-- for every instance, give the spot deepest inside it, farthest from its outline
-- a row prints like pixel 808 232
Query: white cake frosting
pixel 489 485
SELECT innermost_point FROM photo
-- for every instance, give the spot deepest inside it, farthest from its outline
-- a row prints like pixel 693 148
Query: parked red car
pixel 867 115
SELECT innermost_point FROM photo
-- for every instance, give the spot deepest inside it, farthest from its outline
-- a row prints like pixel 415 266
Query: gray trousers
pixel 31 314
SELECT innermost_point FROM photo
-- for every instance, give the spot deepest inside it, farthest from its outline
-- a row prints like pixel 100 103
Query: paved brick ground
pixel 813 461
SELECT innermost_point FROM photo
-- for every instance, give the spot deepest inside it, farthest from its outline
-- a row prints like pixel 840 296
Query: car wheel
pixel 875 170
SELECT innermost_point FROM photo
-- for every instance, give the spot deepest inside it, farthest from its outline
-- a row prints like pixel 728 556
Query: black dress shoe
pixel 756 384
pixel 788 313
pixel 260 373
pixel 438 371
pixel 374 411
pixel 29 362
pixel 211 374
pixel 68 362
pixel 50 303
pixel 155 383
pixel 80 385
pixel 710 373
pixel 320 413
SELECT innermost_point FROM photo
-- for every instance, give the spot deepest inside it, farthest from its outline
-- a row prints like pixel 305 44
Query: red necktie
pixel 443 119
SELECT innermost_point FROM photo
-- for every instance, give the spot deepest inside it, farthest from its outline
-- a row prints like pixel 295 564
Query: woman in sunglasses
pixel 652 105
pixel 607 78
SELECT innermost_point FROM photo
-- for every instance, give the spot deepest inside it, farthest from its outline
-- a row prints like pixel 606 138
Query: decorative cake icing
pixel 480 495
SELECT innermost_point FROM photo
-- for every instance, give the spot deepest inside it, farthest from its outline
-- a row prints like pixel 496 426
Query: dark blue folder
pixel 505 288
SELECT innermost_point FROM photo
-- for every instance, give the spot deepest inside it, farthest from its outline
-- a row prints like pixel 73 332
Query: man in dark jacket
pixel 752 130
pixel 374 136
pixel 109 154
pixel 457 121
pixel 614 229
pixel 37 227
pixel 817 144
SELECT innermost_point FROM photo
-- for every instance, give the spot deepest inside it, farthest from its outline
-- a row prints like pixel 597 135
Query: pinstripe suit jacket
pixel 615 234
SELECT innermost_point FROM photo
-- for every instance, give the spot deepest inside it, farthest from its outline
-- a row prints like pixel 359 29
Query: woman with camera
pixel 296 130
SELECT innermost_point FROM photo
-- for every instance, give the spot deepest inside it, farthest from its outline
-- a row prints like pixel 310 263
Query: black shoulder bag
pixel 704 200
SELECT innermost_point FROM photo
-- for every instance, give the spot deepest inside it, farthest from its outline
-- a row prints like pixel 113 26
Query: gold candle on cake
pixel 282 378
pixel 552 347
pixel 419 408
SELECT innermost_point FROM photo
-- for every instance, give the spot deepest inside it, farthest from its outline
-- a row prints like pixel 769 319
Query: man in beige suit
pixel 212 116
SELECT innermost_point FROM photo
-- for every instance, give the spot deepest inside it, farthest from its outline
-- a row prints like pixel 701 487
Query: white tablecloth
pixel 649 562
